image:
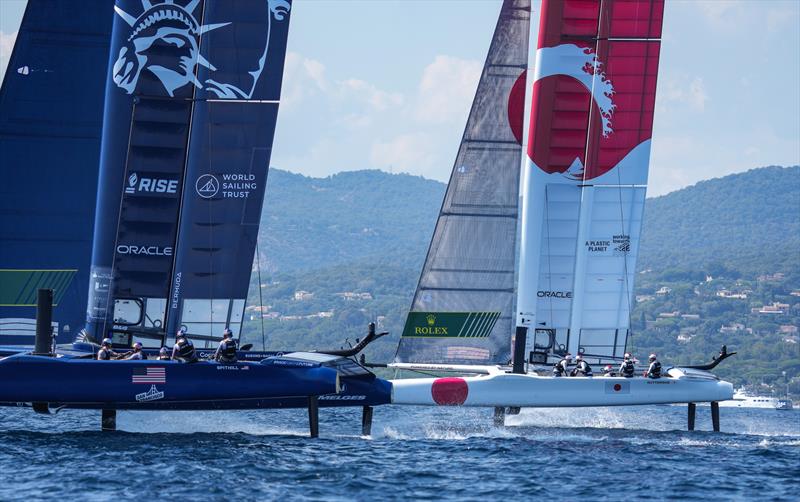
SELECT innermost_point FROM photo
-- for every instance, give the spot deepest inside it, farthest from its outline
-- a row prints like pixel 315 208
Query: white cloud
pixel 721 14
pixel 446 89
pixel 6 46
pixel 683 91
pixel 697 96
pixel 413 153
pixel 377 99
pixel 302 78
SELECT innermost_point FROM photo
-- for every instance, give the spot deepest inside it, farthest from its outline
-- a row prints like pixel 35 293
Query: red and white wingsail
pixel 584 185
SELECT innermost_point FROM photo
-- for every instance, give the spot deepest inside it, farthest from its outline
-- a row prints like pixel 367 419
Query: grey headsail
pixel 462 309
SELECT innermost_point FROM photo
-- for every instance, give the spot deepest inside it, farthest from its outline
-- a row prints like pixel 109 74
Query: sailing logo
pixel 165 41
pixel 151 395
pixel 207 186
pixel 232 186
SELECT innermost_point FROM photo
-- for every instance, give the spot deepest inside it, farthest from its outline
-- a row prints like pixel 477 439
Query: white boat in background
pixel 583 181
pixel 744 399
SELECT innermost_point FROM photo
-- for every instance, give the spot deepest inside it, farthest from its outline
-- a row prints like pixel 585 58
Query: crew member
pixel 226 352
pixel 163 354
pixel 561 367
pixel 582 368
pixel 627 368
pixel 654 371
pixel 184 348
pixel 137 353
pixel 105 353
pixel 608 371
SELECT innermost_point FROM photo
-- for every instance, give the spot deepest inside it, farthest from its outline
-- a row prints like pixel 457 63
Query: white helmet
pixel 106 341
pixel 627 355
pixel 653 357
pixel 137 346
pixel 579 357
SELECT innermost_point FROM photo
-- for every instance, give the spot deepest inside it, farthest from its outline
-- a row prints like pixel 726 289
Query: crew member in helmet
pixel 654 371
pixel 561 368
pixel 136 353
pixel 582 368
pixel 627 368
pixel 184 348
pixel 226 352
pixel 608 371
pixel 163 354
pixel 105 353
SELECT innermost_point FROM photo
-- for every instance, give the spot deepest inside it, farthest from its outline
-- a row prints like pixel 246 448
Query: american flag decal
pixel 149 375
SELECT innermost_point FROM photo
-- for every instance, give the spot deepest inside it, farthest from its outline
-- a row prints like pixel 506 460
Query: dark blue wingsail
pixel 51 110
pixel 192 99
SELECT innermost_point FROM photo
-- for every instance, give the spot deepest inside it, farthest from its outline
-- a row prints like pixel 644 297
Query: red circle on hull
pixel 449 391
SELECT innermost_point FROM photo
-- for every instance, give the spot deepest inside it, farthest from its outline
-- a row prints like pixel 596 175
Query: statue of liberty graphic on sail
pixel 165 41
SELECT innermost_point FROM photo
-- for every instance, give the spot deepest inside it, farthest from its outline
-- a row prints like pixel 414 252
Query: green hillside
pixel 748 222
pixel 366 233
pixel 315 223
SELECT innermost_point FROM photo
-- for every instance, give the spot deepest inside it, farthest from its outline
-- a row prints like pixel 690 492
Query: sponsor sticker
pixel 146 185
pixel 339 397
pixel 450 324
pixel 136 250
pixel 207 186
pixel 554 294
pixel 226 186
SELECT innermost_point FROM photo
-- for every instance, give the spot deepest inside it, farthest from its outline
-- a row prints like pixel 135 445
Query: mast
pixel 462 311
pixel 586 174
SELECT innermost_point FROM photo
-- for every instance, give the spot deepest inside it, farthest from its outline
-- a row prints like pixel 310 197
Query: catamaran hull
pixel 354 393
pixel 532 391
pixel 85 383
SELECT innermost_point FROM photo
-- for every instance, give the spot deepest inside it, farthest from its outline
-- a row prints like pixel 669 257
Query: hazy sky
pixel 387 84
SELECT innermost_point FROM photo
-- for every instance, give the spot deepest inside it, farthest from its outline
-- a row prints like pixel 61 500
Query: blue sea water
pixel 414 453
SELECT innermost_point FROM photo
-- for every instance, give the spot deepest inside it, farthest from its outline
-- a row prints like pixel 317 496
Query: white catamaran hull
pixel 531 391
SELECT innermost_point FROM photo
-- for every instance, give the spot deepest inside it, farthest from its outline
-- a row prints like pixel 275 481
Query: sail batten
pixel 463 304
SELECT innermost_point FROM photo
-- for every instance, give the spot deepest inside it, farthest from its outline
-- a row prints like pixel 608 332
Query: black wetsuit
pixel 560 368
pixel 654 371
pixel 184 351
pixel 582 369
pixel 226 352
pixel 627 369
